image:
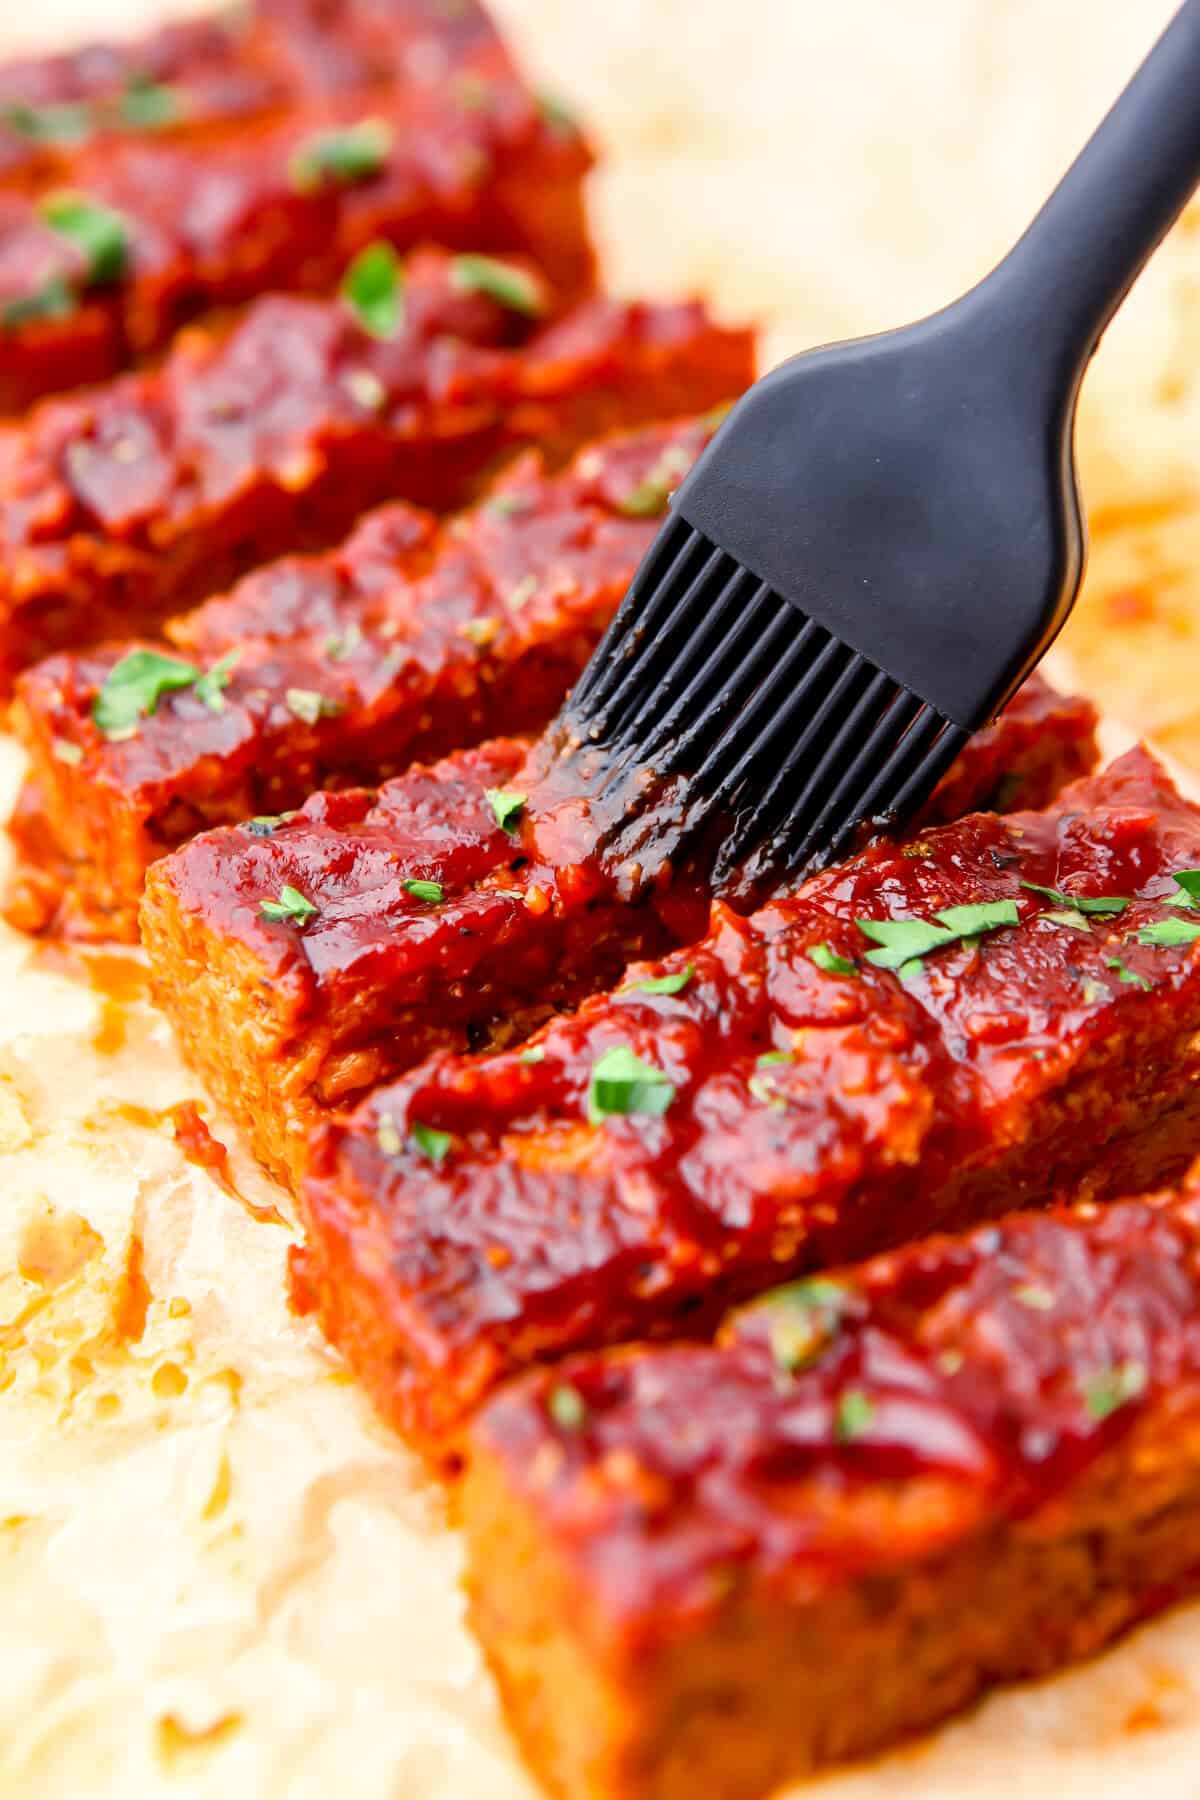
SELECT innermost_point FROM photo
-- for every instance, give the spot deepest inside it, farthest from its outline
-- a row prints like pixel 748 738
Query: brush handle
pixel 1065 278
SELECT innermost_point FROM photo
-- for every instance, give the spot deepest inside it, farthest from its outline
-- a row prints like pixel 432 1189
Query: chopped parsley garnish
pixel 762 1086
pixel 210 687
pixel 67 752
pixel 1068 917
pixel 557 115
pixel 66 122
pixel 265 824
pixel 803 1317
pixel 1038 1299
pixel 310 706
pixel 99 233
pixel 567 1407
pixel 149 105
pixel 1129 976
pixel 855 1414
pixel 522 594
pixel 535 1054
pixel 431 891
pixel 827 958
pixel 1110 903
pixel 134 687
pixel 515 288
pixel 903 942
pixel 388 1137
pixel 53 300
pixel 1108 1392
pixel 364 387
pixel 506 506
pixel 622 1084
pixel 344 643
pixel 292 907
pixel 662 984
pixel 341 157
pixel 1169 933
pixel 649 499
pixel 1188 883
pixel 373 288
pixel 436 1145
pixel 507 807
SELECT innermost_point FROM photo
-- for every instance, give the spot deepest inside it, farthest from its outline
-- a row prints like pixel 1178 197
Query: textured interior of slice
pixel 402 644
pixel 971 1461
pixel 770 1100
pixel 354 987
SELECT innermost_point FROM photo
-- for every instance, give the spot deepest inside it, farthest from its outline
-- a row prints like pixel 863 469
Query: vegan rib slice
pixel 97 273
pixel 288 1017
pixel 973 1460
pixel 201 76
pixel 768 1101
pixel 140 497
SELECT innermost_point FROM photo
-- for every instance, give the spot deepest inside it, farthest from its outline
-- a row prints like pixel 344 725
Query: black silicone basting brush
pixel 885 536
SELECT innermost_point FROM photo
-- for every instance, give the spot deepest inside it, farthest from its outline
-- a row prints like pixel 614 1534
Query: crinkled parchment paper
pixel 218 1574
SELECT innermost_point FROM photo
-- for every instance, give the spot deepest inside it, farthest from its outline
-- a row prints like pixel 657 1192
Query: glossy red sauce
pixel 1003 1070
pixel 213 223
pixel 990 1371
pixel 154 488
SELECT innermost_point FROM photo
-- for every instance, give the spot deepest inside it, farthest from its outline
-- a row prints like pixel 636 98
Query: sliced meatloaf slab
pixel 974 1460
pixel 773 1099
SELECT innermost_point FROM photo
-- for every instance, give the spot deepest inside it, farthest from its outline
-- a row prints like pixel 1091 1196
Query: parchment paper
pixel 218 1574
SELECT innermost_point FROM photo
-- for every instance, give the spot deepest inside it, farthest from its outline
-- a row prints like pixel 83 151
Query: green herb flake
pixel 134 687
pixel 622 1084
pixel 535 1054
pixel 662 984
pixel 1169 933
pixel 853 1416
pixel 66 752
pixel 903 942
pixel 342 644
pixel 53 300
pixel 507 808
pixel 1084 903
pixel 265 824
pixel 373 288
pixel 1188 883
pixel 310 706
pixel 388 1137
pixel 771 1059
pixel 567 1407
pixel 99 233
pixel 1128 976
pixel 522 594
pixel 648 500
pixel 436 1145
pixel 555 113
pixel 1069 918
pixel 341 158
pixel 148 106
pixel 210 687
pixel 292 907
pixel 506 506
pixel 1093 991
pixel 1114 1388
pixel 1038 1299
pixel 803 1318
pixel 515 288
pixel 827 958
pixel 364 386
pixel 431 891
pixel 65 122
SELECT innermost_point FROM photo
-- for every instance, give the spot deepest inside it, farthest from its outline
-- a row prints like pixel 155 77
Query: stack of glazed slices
pixel 766 1280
